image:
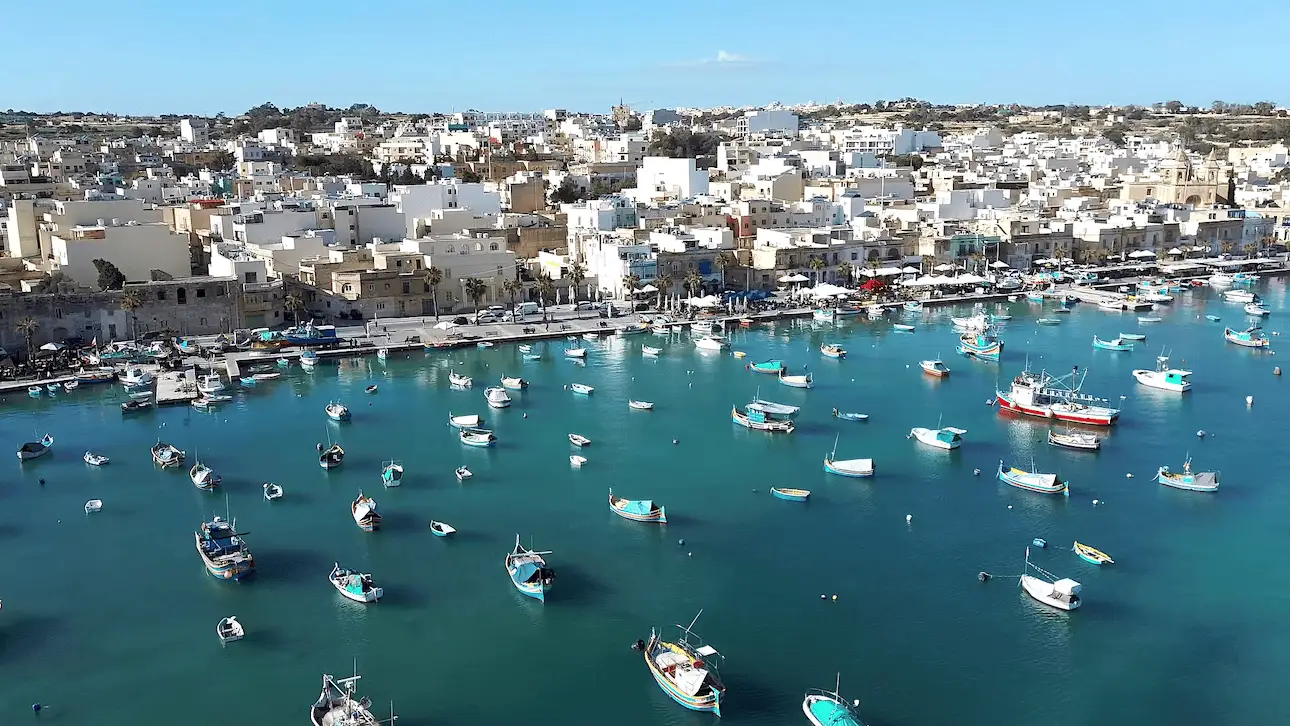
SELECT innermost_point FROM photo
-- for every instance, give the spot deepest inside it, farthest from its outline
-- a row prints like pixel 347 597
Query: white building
pixel 135 249
pixel 421 200
pixel 610 259
pixel 765 122
pixel 195 131
pixel 660 178
pixel 231 260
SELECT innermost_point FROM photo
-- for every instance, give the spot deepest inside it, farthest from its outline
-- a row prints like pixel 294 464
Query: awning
pixel 794 278
pixel 943 268
pixel 999 265
pixel 1141 254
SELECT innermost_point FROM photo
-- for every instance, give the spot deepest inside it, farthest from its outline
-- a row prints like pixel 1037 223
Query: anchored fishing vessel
pixel 637 510
pixel 942 438
pixel 529 572
pixel 337 705
pixel 223 551
pixel 204 477
pixel 166 455
pixel 828 708
pixel 1164 377
pixel 497 397
pixel 773 367
pixel 804 381
pixel 1118 344
pixel 758 420
pixel 982 346
pixel 1063 594
pixel 392 473
pixel 790 495
pixel 1074 440
pixel 337 411
pixel 355 585
pixel 1033 481
pixel 685 669
pixel 458 380
pixel 465 421
pixel 480 438
pixel 33 449
pixel 1057 397
pixel 855 468
pixel 1249 338
pixel 514 384
pixel 1202 481
pixel 331 457
pixel 365 515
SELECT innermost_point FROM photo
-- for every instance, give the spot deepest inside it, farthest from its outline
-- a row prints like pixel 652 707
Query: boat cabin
pixel 950 435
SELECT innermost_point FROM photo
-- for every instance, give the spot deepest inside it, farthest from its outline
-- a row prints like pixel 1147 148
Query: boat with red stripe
pixel 1055 397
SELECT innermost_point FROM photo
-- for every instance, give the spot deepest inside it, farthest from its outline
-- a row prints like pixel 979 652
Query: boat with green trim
pixel 828 708
pixel 773 367
pixel 685 669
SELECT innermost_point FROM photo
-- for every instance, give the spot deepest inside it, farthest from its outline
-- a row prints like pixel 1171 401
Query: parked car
pixel 512 317
pixel 461 320
pixel 586 305
pixel 487 316
pixel 527 308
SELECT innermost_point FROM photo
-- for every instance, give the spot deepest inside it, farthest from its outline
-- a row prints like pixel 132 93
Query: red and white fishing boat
pixel 1055 397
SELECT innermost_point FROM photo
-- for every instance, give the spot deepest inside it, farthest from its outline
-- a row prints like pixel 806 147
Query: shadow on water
pixel 578 586
pixel 27 634
pixel 292 565
pixel 756 698
pixel 402 522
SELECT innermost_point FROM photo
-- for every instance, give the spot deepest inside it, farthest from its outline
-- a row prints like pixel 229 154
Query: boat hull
pixel 1042 591
pixel 1021 481
pixel 658 516
pixel 790 495
pixel 1092 418
pixel 1150 379
pixel 1192 483
pixel 709 702
pixel 850 469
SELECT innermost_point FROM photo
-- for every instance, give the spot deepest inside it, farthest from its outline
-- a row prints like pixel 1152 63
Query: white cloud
pixel 723 58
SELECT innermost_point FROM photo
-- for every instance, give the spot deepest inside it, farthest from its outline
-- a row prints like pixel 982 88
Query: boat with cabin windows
pixel 771 409
pixel 363 508
pixel 773 367
pixel 1164 377
pixel 529 572
pixel 311 335
pixel 1063 594
pixel 1201 481
pixel 948 437
pixel 637 510
pixel 1033 481
pixel 357 586
pixel 934 367
pixel 685 668
pixel 855 468
pixel 1056 397
pixel 828 708
pixel 134 377
pixel 1092 555
pixel 758 420
pixel 223 550
pixel 1249 338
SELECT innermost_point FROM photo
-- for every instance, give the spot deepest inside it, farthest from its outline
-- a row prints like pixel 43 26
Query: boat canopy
pixel 638 506
pixel 526 571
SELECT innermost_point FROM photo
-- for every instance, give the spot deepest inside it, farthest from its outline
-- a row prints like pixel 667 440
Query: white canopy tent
pixel 909 270
pixel 1000 265
pixel 943 268
pixel 445 325
pixel 648 289
pixel 794 278
pixel 709 301
pixel 826 290
pixel 1142 254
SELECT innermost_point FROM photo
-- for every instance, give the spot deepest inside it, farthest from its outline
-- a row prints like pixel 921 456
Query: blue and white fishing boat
pixel 948 437
pixel 529 571
pixel 637 510
pixel 685 670
pixel 204 477
pixel 823 315
pixel 480 438
pixel 1201 481
pixel 356 586
pixel 855 468
pixel 913 306
pixel 827 708
pixel 758 420
pixel 790 495
pixel 1249 338
pixel 308 359
pixel 982 346
pixel 773 367
pixel 1092 555
pixel 310 334
pixel 796 381
pixel 33 449
pixel 223 551
pixel 441 529
pixel 1033 481
pixel 770 409
pixel 1118 344
pixel 35 391
pixel 392 473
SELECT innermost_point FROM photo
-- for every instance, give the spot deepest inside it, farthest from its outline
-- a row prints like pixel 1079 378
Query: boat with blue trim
pixel 365 515
pixel 982 346
pixel 1118 344
pixel 529 571
pixel 480 438
pixel 759 420
pixel 310 334
pixel 773 367
pixel 1092 555
pixel 790 495
pixel 833 351
pixel 1250 337
pixel 685 670
pixel 855 468
pixel 337 411
pixel 1201 481
pixel 637 510
pixel 223 551
pixel 827 708
pixel 1033 481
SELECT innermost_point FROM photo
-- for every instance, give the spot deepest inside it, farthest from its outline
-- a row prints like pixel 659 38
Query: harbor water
pixel 109 619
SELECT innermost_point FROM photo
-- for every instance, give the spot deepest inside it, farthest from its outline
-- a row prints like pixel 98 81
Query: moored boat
pixel 803 381
pixel 1049 321
pixel 650 352
pixel 772 409
pixel 204 477
pixel 711 342
pixel 223 550
pixel 773 367
pixel 1201 481
pixel 828 708
pixel 637 510
pixel 1033 481
pixel 1118 344
pixel 903 328
pixel 271 491
pixel 465 421
pixel 575 352
pixel 824 315
pixel 308 359
pixel 93 505
pixel 94 459
pixel 392 473
pixel 356 586
pixel 758 420
pixel 337 411
pixel 934 367
pixel 35 391
pixel 1056 397
pixel 33 449
pixel 497 397
pixel 947 437
pixel 833 351
pixel 855 468
pixel 529 571
pixel 1092 555
pixel 441 529
pixel 845 416
pixel 579 440
pixel 1063 594
pixel 166 455
pixel 370 389
pixel 913 306
pixel 640 405
pixel 1133 336
pixel 685 670
pixel 982 346
pixel 1164 377
pixel 479 438
pixel 577 461
pixel 790 495
pixel 1256 309
pixel 365 515
pixel 1249 338
pixel 514 384
pixel 581 389
pixel 463 473
pixel 460 381
pixel 1240 296
pixel 331 457
pixel 229 630
pixel 337 706
pixel 91 377
pixel 1074 440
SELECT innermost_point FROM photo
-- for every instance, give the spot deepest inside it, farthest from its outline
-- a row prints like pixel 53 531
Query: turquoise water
pixel 109 619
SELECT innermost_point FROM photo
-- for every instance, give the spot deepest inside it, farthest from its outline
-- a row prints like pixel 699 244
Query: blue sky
pixel 148 56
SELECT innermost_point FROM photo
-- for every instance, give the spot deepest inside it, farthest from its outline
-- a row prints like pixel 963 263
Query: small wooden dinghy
pixel 441 529
pixel 791 495
pixel 229 630
pixel 1092 555
pixel 637 510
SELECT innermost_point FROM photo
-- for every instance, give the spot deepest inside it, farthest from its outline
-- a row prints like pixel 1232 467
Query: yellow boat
pixel 740 354
pixel 1092 555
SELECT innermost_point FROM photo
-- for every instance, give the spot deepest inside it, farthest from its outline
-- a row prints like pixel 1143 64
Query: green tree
pixel 724 261
pixel 844 272
pixel 1115 134
pixel 294 305
pixel 545 290
pixel 632 283
pixel 577 275
pixel 817 265
pixel 223 161
pixel 693 283
pixel 633 123
pixel 432 277
pixel 27 328
pixel 512 287
pixel 566 193
pixel 475 290
pixel 664 284
pixel 131 302
pixel 110 278
pixel 468 175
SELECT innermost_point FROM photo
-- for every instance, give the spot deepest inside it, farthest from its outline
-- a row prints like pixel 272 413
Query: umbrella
pixel 445 325
pixel 52 346
pixel 648 289
pixel 998 265
pixel 868 272
pixel 794 278
pixel 1142 253
pixel 888 271
pixel 968 279
pixel 1175 251
pixel 943 268
pixel 873 285
pixel 910 270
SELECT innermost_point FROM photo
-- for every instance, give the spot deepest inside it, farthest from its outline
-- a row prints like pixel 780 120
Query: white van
pixel 527 308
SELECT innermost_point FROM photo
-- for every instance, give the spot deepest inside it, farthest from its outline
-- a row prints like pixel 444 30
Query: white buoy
pixel 1009 506
pixel 1096 502
pixel 1129 475
pixel 909 518
pixel 1249 400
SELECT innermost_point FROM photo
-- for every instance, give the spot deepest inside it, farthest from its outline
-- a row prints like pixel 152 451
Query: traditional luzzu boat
pixel 1074 440
pixel 166 456
pixel 356 586
pixel 337 705
pixel 790 495
pixel 833 351
pixel 1092 555
pixel 685 669
pixel 1117 344
pixel 529 571
pixel 1200 481
pixel 1063 594
pixel 223 551
pixel 758 420
pixel 828 708
pixel 771 409
pixel 365 515
pixel 331 457
pixel 773 367
pixel 1057 397
pixel 1250 337
pixel 982 346
pixel 204 477
pixel 1033 481
pixel 392 473
pixel 855 468
pixel 497 397
pixel 637 510
pixel 1164 377
pixel 479 438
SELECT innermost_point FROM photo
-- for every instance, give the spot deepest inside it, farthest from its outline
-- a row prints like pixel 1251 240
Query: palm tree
pixel 545 290
pixel 632 283
pixel 131 302
pixel 294 304
pixel 817 265
pixel 723 261
pixel 577 275
pixel 925 265
pixel 475 290
pixel 432 277
pixel 693 282
pixel 27 328
pixel 512 288
pixel 664 284
pixel 844 272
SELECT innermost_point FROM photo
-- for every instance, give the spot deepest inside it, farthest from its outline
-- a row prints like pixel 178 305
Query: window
pixel 201 321
pixel 492 247
pixel 371 287
pixel 407 288
pixel 58 313
pixel 855 256
pixel 161 294
pixel 344 288
pixel 181 295
pixel 380 306
pixel 201 292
